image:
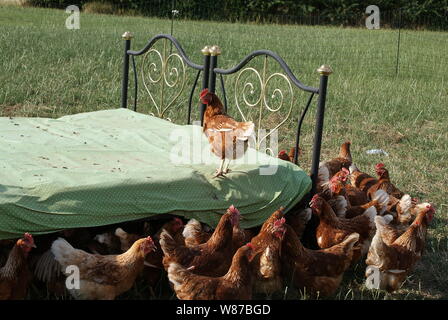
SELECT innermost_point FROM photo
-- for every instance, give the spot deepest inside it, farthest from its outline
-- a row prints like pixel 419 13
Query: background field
pixel 47 70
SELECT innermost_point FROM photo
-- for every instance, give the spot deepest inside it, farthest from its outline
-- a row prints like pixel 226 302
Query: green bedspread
pixel 111 166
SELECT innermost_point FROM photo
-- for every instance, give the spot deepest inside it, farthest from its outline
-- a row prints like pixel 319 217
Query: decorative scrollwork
pixel 256 104
pixel 164 74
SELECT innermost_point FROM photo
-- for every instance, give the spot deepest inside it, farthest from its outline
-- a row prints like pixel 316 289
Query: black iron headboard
pixel 210 71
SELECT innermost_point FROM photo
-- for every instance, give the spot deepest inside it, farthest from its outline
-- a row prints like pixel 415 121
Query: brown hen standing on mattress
pixel 228 138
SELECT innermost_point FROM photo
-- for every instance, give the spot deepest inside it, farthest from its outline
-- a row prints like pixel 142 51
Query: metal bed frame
pixel 209 70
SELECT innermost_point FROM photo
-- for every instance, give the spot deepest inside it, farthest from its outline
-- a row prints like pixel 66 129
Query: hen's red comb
pixel 379 166
pixel 178 220
pixel 233 210
pixel 148 238
pixel 282 152
pixel 250 245
pixel 203 92
pixel 28 236
pixel 314 200
pixel 279 222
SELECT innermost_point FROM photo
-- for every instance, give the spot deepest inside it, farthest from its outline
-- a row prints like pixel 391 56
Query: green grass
pixel 49 71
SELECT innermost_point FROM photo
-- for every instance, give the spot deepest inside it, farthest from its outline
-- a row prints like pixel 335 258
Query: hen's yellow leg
pixel 227 170
pixel 220 172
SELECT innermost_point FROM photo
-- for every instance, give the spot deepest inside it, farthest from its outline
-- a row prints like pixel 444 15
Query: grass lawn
pixel 47 70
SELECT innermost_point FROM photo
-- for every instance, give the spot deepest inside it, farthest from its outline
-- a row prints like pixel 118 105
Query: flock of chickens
pixel 353 217
pixel 367 217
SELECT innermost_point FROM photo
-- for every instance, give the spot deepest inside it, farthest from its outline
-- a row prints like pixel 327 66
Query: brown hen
pixel 316 271
pixel 102 277
pixel 267 265
pixel 333 230
pixel 395 255
pixel 385 183
pixel 15 275
pixel 212 258
pixel 344 160
pixel 236 284
pixel 228 138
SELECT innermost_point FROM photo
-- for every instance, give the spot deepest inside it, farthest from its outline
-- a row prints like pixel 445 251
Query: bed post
pixel 324 72
pixel 215 51
pixel 127 36
pixel 205 78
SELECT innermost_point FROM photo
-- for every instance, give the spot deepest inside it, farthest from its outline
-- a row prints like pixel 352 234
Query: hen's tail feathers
pixel 306 215
pixel 350 240
pixel 381 221
pixel 382 198
pixel 371 213
pixel 104 238
pixel 376 250
pixel 323 174
pixel 345 151
pixel 191 229
pixel 62 251
pixel 177 274
pixel 243 131
pixel 248 128
pixel 291 153
pixel 167 243
pixel 120 233
pixel 126 239
pixel 353 168
pixel 405 204
pixel 388 218
pixel 403 209
pixel 47 269
pixel 339 205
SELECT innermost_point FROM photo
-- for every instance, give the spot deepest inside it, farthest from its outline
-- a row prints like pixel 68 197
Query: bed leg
pixel 127 36
pixel 205 77
pixel 324 72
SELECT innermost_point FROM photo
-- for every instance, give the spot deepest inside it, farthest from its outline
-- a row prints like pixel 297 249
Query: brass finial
pixel 127 35
pixel 325 70
pixel 215 50
pixel 206 51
